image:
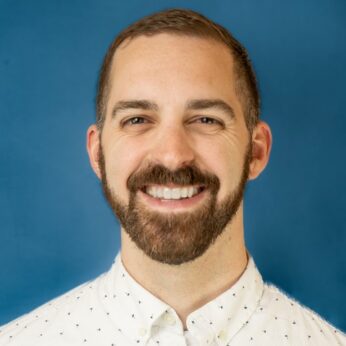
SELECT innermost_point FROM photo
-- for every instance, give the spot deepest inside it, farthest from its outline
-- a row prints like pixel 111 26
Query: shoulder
pixel 49 320
pixel 296 322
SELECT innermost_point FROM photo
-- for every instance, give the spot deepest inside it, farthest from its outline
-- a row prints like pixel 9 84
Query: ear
pixel 261 147
pixel 93 147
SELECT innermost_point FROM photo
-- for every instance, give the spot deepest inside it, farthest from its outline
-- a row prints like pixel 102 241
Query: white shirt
pixel 114 310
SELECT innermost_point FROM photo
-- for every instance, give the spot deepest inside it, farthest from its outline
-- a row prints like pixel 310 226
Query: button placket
pixel 201 330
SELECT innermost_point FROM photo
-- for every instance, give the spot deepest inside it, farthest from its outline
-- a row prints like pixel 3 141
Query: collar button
pixel 222 336
pixel 169 319
pixel 142 331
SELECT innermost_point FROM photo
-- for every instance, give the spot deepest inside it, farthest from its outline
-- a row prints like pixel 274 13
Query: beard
pixel 175 238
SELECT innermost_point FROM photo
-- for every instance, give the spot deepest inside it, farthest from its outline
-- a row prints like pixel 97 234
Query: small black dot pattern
pixel 114 310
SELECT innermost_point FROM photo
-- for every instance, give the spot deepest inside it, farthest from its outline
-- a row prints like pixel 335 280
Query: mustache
pixel 158 174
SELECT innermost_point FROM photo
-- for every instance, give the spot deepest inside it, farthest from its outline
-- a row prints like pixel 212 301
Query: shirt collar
pixel 134 310
pixel 139 314
pixel 224 316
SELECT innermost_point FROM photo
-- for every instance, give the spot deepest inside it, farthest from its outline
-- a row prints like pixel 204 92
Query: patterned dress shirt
pixel 114 310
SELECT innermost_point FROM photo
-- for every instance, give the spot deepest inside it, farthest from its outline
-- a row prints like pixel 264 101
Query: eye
pixel 210 121
pixel 206 124
pixel 207 120
pixel 134 121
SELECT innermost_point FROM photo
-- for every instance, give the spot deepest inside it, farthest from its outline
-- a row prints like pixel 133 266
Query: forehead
pixel 170 44
pixel 143 53
pixel 171 65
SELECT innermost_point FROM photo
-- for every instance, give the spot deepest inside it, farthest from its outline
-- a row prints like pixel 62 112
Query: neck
pixel 186 287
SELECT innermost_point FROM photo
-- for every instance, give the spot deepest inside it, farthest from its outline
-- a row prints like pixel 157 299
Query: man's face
pixel 175 150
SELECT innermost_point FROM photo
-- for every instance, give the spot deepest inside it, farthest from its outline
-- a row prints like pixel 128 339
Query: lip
pixel 172 204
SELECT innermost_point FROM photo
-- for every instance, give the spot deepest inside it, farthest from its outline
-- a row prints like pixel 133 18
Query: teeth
pixel 166 193
pixel 175 193
pixel 184 192
pixel 158 193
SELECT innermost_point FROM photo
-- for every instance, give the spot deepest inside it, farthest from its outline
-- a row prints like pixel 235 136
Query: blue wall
pixel 56 230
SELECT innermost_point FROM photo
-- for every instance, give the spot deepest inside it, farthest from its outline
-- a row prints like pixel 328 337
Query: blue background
pixel 56 229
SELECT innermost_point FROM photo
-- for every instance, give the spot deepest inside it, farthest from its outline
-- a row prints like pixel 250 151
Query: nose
pixel 172 148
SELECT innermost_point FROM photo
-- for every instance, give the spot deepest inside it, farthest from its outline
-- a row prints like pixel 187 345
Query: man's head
pixel 176 140
pixel 190 24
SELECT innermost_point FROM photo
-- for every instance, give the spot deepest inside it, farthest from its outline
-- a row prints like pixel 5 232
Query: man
pixel 176 139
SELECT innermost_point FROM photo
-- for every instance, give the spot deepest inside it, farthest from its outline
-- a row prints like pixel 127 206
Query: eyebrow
pixel 197 104
pixel 211 103
pixel 134 104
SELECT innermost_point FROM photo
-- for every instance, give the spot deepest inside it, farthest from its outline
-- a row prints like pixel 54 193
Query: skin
pixel 170 71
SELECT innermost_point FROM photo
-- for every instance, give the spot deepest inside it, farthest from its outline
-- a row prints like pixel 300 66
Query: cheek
pixel 231 173
pixel 122 160
pixel 225 160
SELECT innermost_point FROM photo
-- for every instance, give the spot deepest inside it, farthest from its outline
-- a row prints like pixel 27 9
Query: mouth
pixel 172 196
pixel 172 193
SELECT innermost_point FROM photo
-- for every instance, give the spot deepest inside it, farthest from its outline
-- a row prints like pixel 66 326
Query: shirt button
pixel 222 335
pixel 170 319
pixel 142 331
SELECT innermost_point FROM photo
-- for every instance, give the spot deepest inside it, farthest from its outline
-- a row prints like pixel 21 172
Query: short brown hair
pixel 186 23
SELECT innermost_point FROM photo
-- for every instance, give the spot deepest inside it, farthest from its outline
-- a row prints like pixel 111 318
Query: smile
pixel 172 197
pixel 169 193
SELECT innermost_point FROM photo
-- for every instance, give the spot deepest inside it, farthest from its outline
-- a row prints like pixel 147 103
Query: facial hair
pixel 175 238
